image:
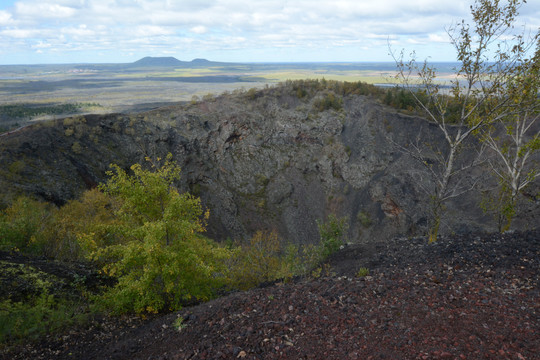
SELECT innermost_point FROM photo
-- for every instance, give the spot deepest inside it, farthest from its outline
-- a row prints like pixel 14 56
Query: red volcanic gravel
pixel 464 297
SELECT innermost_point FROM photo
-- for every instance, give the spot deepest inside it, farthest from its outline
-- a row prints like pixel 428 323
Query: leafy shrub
pixel 262 260
pixel 362 272
pixel 65 235
pixel 178 323
pixel 20 222
pixel 76 147
pixel 160 258
pixel 332 232
pixel 364 218
pixel 328 101
pixel 22 321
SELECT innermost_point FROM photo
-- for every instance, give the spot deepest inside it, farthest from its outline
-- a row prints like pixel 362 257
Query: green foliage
pixel 178 323
pixel 362 272
pixel 20 222
pixel 76 147
pixel 16 167
pixel 364 218
pixel 66 235
pixel 140 230
pixel 332 93
pixel 328 101
pixel 34 303
pixel 23 321
pixel 265 258
pixel 23 111
pixel 332 232
pixel 500 206
pixel 251 94
pixel 303 88
pixel 261 260
pixel 159 257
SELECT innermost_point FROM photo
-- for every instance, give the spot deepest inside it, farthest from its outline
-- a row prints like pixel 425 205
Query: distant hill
pixel 158 61
pixel 171 61
pixel 200 62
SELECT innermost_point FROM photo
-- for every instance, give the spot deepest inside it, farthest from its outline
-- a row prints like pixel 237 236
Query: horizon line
pixel 225 62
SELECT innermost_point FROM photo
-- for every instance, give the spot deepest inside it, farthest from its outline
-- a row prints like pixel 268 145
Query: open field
pixel 132 87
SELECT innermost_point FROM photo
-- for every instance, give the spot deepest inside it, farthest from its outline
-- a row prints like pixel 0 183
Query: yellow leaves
pixel 158 256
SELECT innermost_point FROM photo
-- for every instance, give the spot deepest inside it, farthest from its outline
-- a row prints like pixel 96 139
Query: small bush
pixel 20 222
pixel 16 167
pixel 23 321
pixel 364 218
pixel 262 260
pixel 332 232
pixel 328 101
pixel 65 235
pixel 76 147
pixel 362 272
pixel 178 323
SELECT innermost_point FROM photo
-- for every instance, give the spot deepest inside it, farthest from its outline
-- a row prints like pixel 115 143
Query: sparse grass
pixel 178 323
pixel 352 76
pixel 362 272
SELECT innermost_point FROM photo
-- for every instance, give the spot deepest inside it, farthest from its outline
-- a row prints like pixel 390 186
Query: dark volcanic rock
pixel 470 296
pixel 267 160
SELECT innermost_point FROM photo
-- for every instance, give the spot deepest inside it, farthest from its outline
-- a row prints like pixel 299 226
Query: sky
pixel 120 31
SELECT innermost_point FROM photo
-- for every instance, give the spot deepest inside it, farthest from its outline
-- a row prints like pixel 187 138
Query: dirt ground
pixel 474 296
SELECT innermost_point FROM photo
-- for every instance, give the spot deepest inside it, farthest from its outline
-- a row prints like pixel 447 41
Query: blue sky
pixel 103 31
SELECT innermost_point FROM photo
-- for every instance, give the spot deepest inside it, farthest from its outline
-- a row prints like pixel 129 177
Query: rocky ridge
pixel 267 159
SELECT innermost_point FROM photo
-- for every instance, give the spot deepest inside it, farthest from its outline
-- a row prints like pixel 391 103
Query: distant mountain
pixel 158 61
pixel 171 61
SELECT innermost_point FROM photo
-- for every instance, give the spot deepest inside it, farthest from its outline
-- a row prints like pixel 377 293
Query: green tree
pixel 160 258
pixel 488 54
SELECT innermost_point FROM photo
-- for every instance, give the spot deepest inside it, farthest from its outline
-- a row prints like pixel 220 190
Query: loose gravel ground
pixel 472 296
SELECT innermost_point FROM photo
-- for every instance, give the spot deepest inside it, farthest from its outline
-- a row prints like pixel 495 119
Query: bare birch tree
pixel 515 138
pixel 487 53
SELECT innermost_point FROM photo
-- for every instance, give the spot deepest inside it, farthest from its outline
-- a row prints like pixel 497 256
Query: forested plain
pixel 38 92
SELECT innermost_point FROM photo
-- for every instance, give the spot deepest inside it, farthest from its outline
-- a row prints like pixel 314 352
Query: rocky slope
pixel 268 159
pixel 464 297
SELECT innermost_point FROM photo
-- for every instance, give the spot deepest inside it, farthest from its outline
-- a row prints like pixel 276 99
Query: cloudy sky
pixel 101 31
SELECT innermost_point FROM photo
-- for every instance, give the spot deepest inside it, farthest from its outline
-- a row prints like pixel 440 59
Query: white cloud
pixel 5 18
pixel 199 29
pixel 208 26
pixel 438 38
pixel 42 10
pixel 21 33
pixel 143 31
pixel 41 45
pixel 80 32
